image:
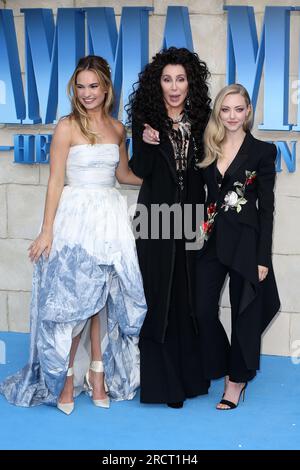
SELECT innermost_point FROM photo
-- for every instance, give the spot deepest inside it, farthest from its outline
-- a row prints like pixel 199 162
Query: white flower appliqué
pixel 236 199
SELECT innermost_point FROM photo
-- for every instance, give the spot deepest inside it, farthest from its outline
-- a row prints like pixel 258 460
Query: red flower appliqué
pixel 250 177
pixel 232 200
pixel 206 227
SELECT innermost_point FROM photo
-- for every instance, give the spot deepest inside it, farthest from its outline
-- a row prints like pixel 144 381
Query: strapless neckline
pixel 92 145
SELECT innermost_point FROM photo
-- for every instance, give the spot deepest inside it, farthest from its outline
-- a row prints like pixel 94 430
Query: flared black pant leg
pixel 220 357
pixel 210 278
pixel 237 371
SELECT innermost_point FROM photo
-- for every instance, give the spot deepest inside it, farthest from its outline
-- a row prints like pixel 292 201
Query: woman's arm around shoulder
pixel 123 173
pixel 143 153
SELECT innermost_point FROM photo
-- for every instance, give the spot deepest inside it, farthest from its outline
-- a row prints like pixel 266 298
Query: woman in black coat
pixel 169 110
pixel 239 172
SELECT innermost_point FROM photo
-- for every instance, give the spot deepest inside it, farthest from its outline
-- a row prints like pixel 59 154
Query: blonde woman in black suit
pixel 239 173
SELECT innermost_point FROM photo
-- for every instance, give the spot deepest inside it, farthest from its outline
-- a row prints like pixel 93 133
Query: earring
pixel 187 102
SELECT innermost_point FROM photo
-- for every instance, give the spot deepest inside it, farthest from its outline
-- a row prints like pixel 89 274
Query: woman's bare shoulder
pixel 119 129
pixel 63 132
pixel 118 125
pixel 64 124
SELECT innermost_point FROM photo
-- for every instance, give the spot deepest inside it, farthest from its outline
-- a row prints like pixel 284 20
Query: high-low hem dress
pixel 92 267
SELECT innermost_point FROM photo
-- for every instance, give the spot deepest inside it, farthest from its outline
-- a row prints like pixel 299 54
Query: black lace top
pixel 180 139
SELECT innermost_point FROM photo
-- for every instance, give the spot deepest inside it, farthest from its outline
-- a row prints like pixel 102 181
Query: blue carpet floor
pixel 268 419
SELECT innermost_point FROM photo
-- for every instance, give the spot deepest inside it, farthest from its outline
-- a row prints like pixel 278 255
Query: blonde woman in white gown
pixel 88 302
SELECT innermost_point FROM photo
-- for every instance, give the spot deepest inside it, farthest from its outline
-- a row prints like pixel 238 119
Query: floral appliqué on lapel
pixel 206 227
pixel 236 199
pixel 233 200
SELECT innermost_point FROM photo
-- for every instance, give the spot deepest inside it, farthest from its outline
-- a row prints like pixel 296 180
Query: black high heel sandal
pixel 178 404
pixel 229 403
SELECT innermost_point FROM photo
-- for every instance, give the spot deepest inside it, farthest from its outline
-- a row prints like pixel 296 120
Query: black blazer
pixel 156 165
pixel 244 238
pixel 253 156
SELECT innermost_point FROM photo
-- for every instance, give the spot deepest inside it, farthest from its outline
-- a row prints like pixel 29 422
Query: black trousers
pixel 172 371
pixel 220 357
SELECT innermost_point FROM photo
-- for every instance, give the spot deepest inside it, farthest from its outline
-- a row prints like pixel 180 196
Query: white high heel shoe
pixel 97 366
pixel 67 408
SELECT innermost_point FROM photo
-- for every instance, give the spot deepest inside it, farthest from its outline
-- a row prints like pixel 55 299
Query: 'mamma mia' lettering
pixel 52 52
pixel 53 49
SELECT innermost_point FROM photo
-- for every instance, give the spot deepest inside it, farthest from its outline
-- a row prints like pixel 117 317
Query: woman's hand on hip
pixel 150 135
pixel 42 244
pixel 262 272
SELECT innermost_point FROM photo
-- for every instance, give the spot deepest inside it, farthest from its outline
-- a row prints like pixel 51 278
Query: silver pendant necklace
pixel 178 119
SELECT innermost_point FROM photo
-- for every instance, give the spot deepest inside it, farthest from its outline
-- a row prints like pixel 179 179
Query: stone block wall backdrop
pixel 23 187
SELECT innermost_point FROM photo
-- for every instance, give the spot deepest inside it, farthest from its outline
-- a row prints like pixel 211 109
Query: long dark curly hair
pixel 146 103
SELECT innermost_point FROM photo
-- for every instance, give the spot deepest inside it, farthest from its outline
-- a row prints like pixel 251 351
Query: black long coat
pixel 244 238
pixel 156 165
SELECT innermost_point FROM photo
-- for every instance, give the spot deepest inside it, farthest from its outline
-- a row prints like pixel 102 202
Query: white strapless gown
pixel 92 268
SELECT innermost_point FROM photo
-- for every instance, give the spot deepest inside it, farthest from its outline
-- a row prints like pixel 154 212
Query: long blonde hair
pixel 215 131
pixel 101 68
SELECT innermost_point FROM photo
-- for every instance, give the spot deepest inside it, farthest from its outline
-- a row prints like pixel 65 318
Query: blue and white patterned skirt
pixel 92 268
